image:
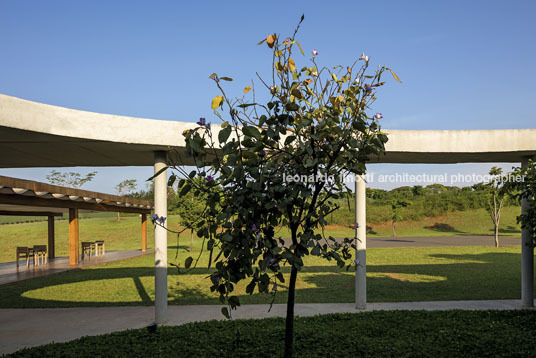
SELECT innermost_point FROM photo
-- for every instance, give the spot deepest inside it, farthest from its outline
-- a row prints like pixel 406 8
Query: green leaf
pixel 224 134
pixel 216 102
pixel 188 262
pixel 226 79
pixel 225 312
pixel 251 132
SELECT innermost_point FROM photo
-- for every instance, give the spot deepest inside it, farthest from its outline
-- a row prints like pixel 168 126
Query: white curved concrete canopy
pixel 39 135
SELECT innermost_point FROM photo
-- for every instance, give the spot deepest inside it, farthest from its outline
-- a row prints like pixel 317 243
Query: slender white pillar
pixel 160 239
pixel 361 243
pixel 527 258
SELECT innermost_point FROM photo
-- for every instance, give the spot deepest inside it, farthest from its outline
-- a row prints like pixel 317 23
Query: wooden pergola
pixel 30 198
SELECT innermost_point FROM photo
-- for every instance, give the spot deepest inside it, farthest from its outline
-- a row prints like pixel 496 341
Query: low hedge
pixel 376 334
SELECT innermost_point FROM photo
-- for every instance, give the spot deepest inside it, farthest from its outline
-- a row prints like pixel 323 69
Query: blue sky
pixel 464 64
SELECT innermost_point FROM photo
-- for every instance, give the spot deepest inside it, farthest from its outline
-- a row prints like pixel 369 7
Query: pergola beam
pixel 28 213
pixel 14 199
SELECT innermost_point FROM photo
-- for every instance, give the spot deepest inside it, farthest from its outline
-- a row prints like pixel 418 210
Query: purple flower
pixel 368 88
pixel 202 121
pixel 274 263
pixel 275 287
pixel 315 52
pixel 287 41
pixel 209 178
pixel 356 262
pixel 207 126
pixel 262 154
pixel 161 220
pixel 378 116
pixel 254 228
pixel 154 217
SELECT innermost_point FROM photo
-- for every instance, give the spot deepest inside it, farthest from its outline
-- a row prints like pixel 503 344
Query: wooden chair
pixel 99 247
pixel 40 254
pixel 88 247
pixel 24 253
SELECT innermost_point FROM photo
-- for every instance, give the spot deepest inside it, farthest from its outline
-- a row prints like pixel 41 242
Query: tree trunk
pixel 191 240
pixel 394 228
pixel 289 325
pixel 496 234
pixel 118 216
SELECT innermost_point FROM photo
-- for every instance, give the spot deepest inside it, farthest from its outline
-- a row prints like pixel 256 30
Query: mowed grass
pixel 470 222
pixel 393 274
pixel 126 234
pixel 118 235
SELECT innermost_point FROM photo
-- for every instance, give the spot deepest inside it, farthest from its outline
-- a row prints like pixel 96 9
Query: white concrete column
pixel 160 239
pixel 361 243
pixel 527 258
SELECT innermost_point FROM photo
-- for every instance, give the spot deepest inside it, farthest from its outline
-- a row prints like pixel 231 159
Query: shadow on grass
pixel 461 277
pixel 442 227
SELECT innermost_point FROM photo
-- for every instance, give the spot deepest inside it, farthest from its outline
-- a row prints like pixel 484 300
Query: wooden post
pixel 143 232
pixel 73 237
pixel 51 239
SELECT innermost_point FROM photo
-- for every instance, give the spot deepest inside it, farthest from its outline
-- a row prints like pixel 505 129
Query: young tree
pixel 497 194
pixel 193 205
pixel 396 206
pixel 69 179
pixel 281 164
pixel 123 188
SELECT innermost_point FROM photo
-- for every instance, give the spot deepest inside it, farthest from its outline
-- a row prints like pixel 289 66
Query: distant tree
pixel 192 207
pixel 497 194
pixel 418 190
pixel 396 206
pixel 70 179
pixel 123 188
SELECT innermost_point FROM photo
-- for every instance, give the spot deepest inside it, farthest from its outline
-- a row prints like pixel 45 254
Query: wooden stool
pixel 40 254
pixel 88 246
pixel 25 253
pixel 99 247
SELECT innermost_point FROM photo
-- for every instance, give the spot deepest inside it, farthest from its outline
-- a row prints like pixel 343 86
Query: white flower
pixel 356 81
pixel 314 74
pixel 362 56
pixel 366 58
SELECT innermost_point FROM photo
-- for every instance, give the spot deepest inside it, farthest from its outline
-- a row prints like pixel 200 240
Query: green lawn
pixel 373 334
pixel 126 234
pixel 394 274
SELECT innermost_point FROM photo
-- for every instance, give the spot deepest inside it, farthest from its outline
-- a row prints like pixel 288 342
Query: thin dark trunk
pixel 394 228
pixel 191 240
pixel 289 325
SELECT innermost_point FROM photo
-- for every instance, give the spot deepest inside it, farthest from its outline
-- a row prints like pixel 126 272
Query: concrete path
pixel 434 241
pixel 21 328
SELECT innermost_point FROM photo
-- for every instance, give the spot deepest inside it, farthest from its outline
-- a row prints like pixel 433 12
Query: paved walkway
pixel 434 241
pixel 9 272
pixel 21 328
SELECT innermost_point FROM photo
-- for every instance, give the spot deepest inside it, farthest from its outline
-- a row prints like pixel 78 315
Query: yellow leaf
pixel 394 75
pixel 334 77
pixel 270 40
pixel 216 102
pixel 291 65
pixel 340 98
pixel 297 43
pixel 260 43
pixel 247 89
pixel 212 76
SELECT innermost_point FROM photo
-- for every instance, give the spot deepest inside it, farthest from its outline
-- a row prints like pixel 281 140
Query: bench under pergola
pixel 19 197
pixel 40 135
